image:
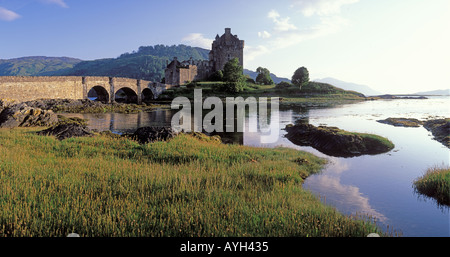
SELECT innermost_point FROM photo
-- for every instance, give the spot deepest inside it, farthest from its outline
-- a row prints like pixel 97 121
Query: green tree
pixel 263 76
pixel 216 76
pixel 233 76
pixel 232 71
pixel 300 77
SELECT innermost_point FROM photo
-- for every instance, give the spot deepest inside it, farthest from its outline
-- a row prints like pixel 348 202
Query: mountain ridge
pixel 366 90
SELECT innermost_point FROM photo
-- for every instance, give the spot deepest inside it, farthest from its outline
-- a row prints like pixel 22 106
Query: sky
pixel 392 46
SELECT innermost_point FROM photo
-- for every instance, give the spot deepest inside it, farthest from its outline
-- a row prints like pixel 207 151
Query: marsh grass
pixel 105 186
pixel 435 183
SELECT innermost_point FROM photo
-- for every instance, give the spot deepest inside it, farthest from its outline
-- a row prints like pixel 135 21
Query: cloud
pixel 327 25
pixel 197 39
pixel 251 52
pixel 7 15
pixel 61 3
pixel 281 24
pixel 321 7
pixel 285 33
pixel 264 34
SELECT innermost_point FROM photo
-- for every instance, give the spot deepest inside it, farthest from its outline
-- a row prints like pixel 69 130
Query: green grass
pixel 435 183
pixel 313 94
pixel 371 139
pixel 188 186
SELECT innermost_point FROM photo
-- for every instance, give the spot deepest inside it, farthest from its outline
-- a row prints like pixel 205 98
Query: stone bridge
pixel 106 89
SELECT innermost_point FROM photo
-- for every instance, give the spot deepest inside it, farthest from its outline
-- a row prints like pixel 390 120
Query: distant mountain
pixel 435 92
pixel 349 86
pixel 35 65
pixel 274 77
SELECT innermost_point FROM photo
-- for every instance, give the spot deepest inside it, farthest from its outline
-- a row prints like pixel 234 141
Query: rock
pixel 400 97
pixel 6 103
pixel 67 130
pixel 150 134
pixel 402 122
pixel 440 128
pixel 22 115
pixel 335 142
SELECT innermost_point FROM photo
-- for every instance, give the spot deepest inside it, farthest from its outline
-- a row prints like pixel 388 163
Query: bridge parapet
pixel 27 88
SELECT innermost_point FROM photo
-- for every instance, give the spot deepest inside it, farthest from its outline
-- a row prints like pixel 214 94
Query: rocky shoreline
pixel 439 128
pixel 43 113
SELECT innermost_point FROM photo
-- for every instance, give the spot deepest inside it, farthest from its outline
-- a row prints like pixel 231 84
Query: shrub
pixel 234 87
pixel 191 84
pixel 283 85
pixel 436 184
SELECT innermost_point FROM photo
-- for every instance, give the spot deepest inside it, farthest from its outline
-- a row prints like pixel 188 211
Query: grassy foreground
pixel 435 183
pixel 189 186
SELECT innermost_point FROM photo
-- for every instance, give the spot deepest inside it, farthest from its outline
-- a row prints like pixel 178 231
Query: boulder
pixel 22 115
pixel 67 130
pixel 150 134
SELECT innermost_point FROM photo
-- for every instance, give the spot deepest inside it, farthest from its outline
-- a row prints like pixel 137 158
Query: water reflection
pixel 346 197
pixel 125 122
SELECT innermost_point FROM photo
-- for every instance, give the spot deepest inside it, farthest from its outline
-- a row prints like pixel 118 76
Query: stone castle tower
pixel 223 49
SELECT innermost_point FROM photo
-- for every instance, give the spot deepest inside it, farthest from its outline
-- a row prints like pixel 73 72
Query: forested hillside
pixel 36 65
pixel 148 63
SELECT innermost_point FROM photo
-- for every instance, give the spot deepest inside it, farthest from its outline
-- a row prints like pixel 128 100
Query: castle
pixel 224 48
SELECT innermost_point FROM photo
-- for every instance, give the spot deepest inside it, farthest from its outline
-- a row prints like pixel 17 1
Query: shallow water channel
pixel 376 185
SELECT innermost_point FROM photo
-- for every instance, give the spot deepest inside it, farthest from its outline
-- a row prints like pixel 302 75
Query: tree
pixel 300 77
pixel 232 71
pixel 263 76
pixel 216 76
pixel 233 76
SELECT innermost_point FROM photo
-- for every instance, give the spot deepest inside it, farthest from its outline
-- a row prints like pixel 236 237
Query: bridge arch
pixel 98 93
pixel 147 95
pixel 126 95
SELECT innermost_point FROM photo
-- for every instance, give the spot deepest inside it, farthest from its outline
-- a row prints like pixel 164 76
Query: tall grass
pixel 103 186
pixel 435 183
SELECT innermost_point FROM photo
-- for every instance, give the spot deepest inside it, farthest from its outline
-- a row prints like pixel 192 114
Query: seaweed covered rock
pixel 336 142
pixel 402 122
pixel 6 103
pixel 67 129
pixel 440 128
pixel 150 134
pixel 22 115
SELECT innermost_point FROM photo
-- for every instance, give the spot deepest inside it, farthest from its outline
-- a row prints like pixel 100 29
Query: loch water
pixel 380 186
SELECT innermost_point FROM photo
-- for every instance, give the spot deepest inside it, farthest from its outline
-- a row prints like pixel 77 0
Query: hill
pixel 147 63
pixel 435 92
pixel 274 77
pixel 349 86
pixel 36 65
